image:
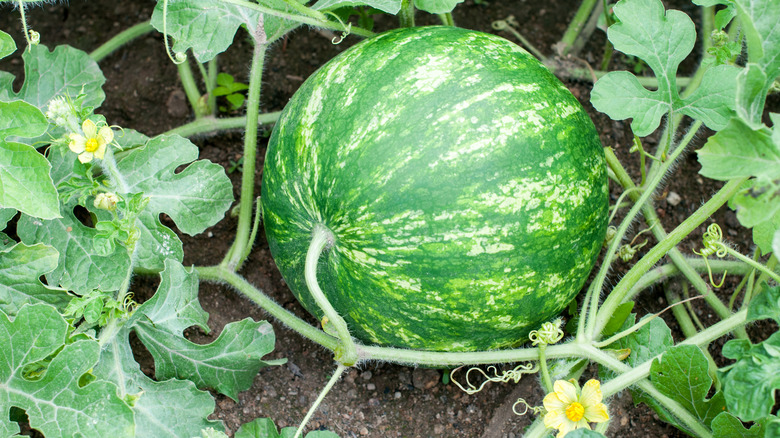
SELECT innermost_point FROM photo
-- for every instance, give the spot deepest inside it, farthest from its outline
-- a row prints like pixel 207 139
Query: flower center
pixel 91 145
pixel 575 412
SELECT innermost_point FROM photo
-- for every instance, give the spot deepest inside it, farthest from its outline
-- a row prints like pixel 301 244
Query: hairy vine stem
pixel 239 251
pixel 660 234
pixel 333 379
pixel 346 352
pixel 590 308
pixel 121 39
pixel 618 294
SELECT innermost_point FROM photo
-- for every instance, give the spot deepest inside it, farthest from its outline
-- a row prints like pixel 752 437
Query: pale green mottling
pixel 457 194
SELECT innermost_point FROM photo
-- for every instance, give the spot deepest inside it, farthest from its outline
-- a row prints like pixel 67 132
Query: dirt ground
pixel 377 400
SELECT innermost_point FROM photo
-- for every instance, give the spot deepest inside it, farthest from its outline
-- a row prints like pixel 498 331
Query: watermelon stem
pixel 333 379
pixel 592 315
pixel 659 250
pixel 406 14
pixel 678 259
pixel 346 353
pixel 242 244
pixel 120 40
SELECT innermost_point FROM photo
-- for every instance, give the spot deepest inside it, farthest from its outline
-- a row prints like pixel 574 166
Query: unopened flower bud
pixel 106 201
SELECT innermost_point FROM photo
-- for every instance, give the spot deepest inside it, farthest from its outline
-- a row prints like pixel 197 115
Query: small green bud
pixel 106 201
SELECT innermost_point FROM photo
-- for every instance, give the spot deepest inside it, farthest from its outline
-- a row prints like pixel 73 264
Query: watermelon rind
pixel 464 186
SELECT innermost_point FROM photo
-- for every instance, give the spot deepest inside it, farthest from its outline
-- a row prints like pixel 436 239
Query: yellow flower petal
pixel 591 393
pixel 106 134
pixel 566 391
pixel 565 428
pixel 89 128
pixel 596 413
pixel 85 157
pixel 101 150
pixel 551 402
pixel 76 143
pixel 554 419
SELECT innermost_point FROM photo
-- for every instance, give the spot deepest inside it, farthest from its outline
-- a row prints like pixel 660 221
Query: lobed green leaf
pixel 56 404
pixel 228 365
pixel 437 6
pixel 749 385
pixel 207 27
pixel 81 266
pixel 195 198
pixel 390 6
pixel 7 45
pixel 765 306
pixel 169 409
pixel 265 428
pixel 25 183
pixel 682 375
pixel 21 267
pixel 642 24
pixel 726 425
pixel 65 71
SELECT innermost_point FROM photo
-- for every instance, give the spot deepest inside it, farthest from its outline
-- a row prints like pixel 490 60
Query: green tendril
pixel 549 334
pixel 536 410
pixel 514 374
pixel 347 29
pixel 178 57
pixel 713 244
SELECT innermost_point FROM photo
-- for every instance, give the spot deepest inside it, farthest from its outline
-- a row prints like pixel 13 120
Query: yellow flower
pixel 568 408
pixel 93 143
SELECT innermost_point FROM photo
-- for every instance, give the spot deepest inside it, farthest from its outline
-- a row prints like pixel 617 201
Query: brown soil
pixel 377 400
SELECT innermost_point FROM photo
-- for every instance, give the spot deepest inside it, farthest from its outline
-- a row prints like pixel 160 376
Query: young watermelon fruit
pixel 465 188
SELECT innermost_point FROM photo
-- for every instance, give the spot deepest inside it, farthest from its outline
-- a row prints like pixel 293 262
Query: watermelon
pixel 464 187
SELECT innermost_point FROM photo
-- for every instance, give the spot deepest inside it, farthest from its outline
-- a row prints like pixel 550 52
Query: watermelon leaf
pixel 437 6
pixel 228 365
pixel 195 198
pixel 726 425
pixel 749 384
pixel 682 374
pixel 619 94
pixel 7 45
pixel 208 27
pixel 649 341
pixel 157 406
pixel 739 151
pixel 765 306
pixel 65 71
pixel 56 403
pixel 265 428
pixel 21 267
pixel 24 173
pixel 390 6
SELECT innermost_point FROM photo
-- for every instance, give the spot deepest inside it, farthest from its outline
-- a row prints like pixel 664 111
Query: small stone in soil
pixel 425 378
pixel 674 199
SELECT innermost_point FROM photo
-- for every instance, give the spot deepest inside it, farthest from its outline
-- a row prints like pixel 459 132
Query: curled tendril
pixel 713 244
pixel 35 37
pixel 509 21
pixel 550 333
pixel 128 305
pixel 347 29
pixel 537 410
pixel 627 252
pixel 514 374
